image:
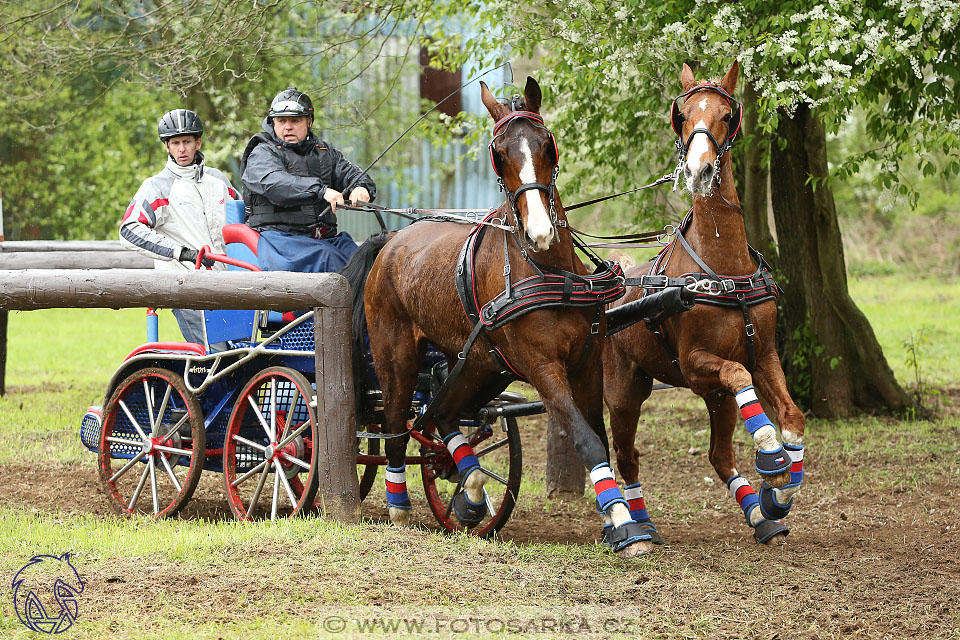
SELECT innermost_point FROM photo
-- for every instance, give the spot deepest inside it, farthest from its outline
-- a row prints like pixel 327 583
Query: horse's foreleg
pixel 624 395
pixel 771 384
pixel 707 373
pixel 582 411
pixel 723 420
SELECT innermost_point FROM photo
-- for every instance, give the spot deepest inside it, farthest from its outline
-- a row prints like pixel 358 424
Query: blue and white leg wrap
pixel 462 454
pixel 747 498
pixel 605 485
pixel 397 487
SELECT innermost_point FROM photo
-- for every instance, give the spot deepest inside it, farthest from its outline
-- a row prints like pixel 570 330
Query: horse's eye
pixel 726 118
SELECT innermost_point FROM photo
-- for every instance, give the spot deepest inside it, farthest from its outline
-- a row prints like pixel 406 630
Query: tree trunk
pixel 831 352
pixel 756 177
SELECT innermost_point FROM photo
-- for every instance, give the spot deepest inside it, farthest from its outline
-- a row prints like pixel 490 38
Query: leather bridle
pixel 499 130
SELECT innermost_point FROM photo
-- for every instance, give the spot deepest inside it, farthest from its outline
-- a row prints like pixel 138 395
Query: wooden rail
pixel 327 293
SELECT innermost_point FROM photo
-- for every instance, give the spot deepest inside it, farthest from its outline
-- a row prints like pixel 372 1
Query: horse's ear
pixel 729 82
pixel 493 106
pixel 687 81
pixel 531 95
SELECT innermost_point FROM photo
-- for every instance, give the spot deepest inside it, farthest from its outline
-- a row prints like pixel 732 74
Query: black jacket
pixel 284 183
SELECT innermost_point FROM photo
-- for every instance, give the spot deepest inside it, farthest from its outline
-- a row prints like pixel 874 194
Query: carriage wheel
pixel 498 449
pixel 367 472
pixel 152 445
pixel 268 466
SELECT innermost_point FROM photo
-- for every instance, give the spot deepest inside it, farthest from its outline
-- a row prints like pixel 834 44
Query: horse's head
pixel 525 158
pixel 706 122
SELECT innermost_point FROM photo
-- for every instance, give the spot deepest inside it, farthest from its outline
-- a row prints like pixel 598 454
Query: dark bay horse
pixel 712 348
pixel 411 298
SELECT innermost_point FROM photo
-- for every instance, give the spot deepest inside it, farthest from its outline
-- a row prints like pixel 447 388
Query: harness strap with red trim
pixel 740 292
pixel 548 288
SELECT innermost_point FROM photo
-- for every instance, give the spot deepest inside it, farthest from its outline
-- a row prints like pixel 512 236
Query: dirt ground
pixel 873 550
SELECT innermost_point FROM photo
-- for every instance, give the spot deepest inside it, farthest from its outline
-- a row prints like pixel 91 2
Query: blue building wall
pixel 438 177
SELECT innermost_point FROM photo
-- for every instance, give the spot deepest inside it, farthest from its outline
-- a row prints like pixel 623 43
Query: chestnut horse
pixel 411 299
pixel 710 349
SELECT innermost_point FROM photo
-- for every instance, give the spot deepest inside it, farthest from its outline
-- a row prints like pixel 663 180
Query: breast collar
pixel 549 287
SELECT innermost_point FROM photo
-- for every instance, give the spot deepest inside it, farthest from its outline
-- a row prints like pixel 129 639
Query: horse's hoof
pixel 634 549
pixel 767 530
pixel 400 518
pixel 779 480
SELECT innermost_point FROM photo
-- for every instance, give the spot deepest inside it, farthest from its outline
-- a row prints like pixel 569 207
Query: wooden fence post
pixel 339 489
pixel 566 475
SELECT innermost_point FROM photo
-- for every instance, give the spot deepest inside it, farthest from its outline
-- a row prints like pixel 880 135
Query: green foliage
pixel 79 106
pixel 805 350
pixel 915 349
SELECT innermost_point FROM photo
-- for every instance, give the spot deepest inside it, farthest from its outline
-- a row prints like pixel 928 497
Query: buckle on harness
pixel 653 282
pixel 506 270
pixel 594 328
pixel 750 330
pixel 728 286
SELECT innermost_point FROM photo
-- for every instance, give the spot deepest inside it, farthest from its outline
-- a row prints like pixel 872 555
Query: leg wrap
pixel 754 418
pixel 769 462
pixel 796 468
pixel 608 493
pixel 397 487
pixel 747 498
pixel 638 510
pixel 462 454
pixel 626 534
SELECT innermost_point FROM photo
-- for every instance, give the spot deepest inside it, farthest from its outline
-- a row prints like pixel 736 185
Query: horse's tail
pixel 356 272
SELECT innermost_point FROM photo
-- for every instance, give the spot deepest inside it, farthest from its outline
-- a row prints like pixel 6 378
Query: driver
pixel 181 209
pixel 292 184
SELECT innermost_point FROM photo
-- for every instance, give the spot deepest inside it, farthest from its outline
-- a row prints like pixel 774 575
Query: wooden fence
pixel 328 294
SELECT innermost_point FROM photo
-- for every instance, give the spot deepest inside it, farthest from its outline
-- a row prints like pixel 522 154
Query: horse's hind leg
pixel 624 395
pixel 397 359
pixel 707 373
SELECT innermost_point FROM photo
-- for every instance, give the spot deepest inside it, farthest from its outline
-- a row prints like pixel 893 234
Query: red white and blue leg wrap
pixel 604 483
pixel 397 487
pixel 776 503
pixel 769 461
pixel 746 497
pixel 462 453
pixel 638 508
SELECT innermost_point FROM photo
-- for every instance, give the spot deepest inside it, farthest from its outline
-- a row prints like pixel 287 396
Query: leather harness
pixel 740 292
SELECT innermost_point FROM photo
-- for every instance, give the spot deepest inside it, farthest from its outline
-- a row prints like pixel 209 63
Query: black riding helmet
pixel 290 102
pixel 179 122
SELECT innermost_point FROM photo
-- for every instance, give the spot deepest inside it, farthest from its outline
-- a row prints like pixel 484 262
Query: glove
pixel 190 256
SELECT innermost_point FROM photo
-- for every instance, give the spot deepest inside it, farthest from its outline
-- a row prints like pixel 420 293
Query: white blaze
pixel 698 147
pixel 539 228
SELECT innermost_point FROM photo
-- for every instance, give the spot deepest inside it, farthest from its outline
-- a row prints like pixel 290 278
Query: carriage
pixel 247 411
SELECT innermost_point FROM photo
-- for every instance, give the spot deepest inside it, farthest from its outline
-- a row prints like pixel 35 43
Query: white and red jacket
pixel 179 208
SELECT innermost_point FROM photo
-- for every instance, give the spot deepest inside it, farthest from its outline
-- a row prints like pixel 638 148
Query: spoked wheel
pixel 367 472
pixel 498 450
pixel 268 465
pixel 152 445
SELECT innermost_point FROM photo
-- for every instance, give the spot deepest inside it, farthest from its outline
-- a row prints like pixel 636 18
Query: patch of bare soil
pixel 873 551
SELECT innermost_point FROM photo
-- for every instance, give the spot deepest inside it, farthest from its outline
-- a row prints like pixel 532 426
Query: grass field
pixel 874 552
